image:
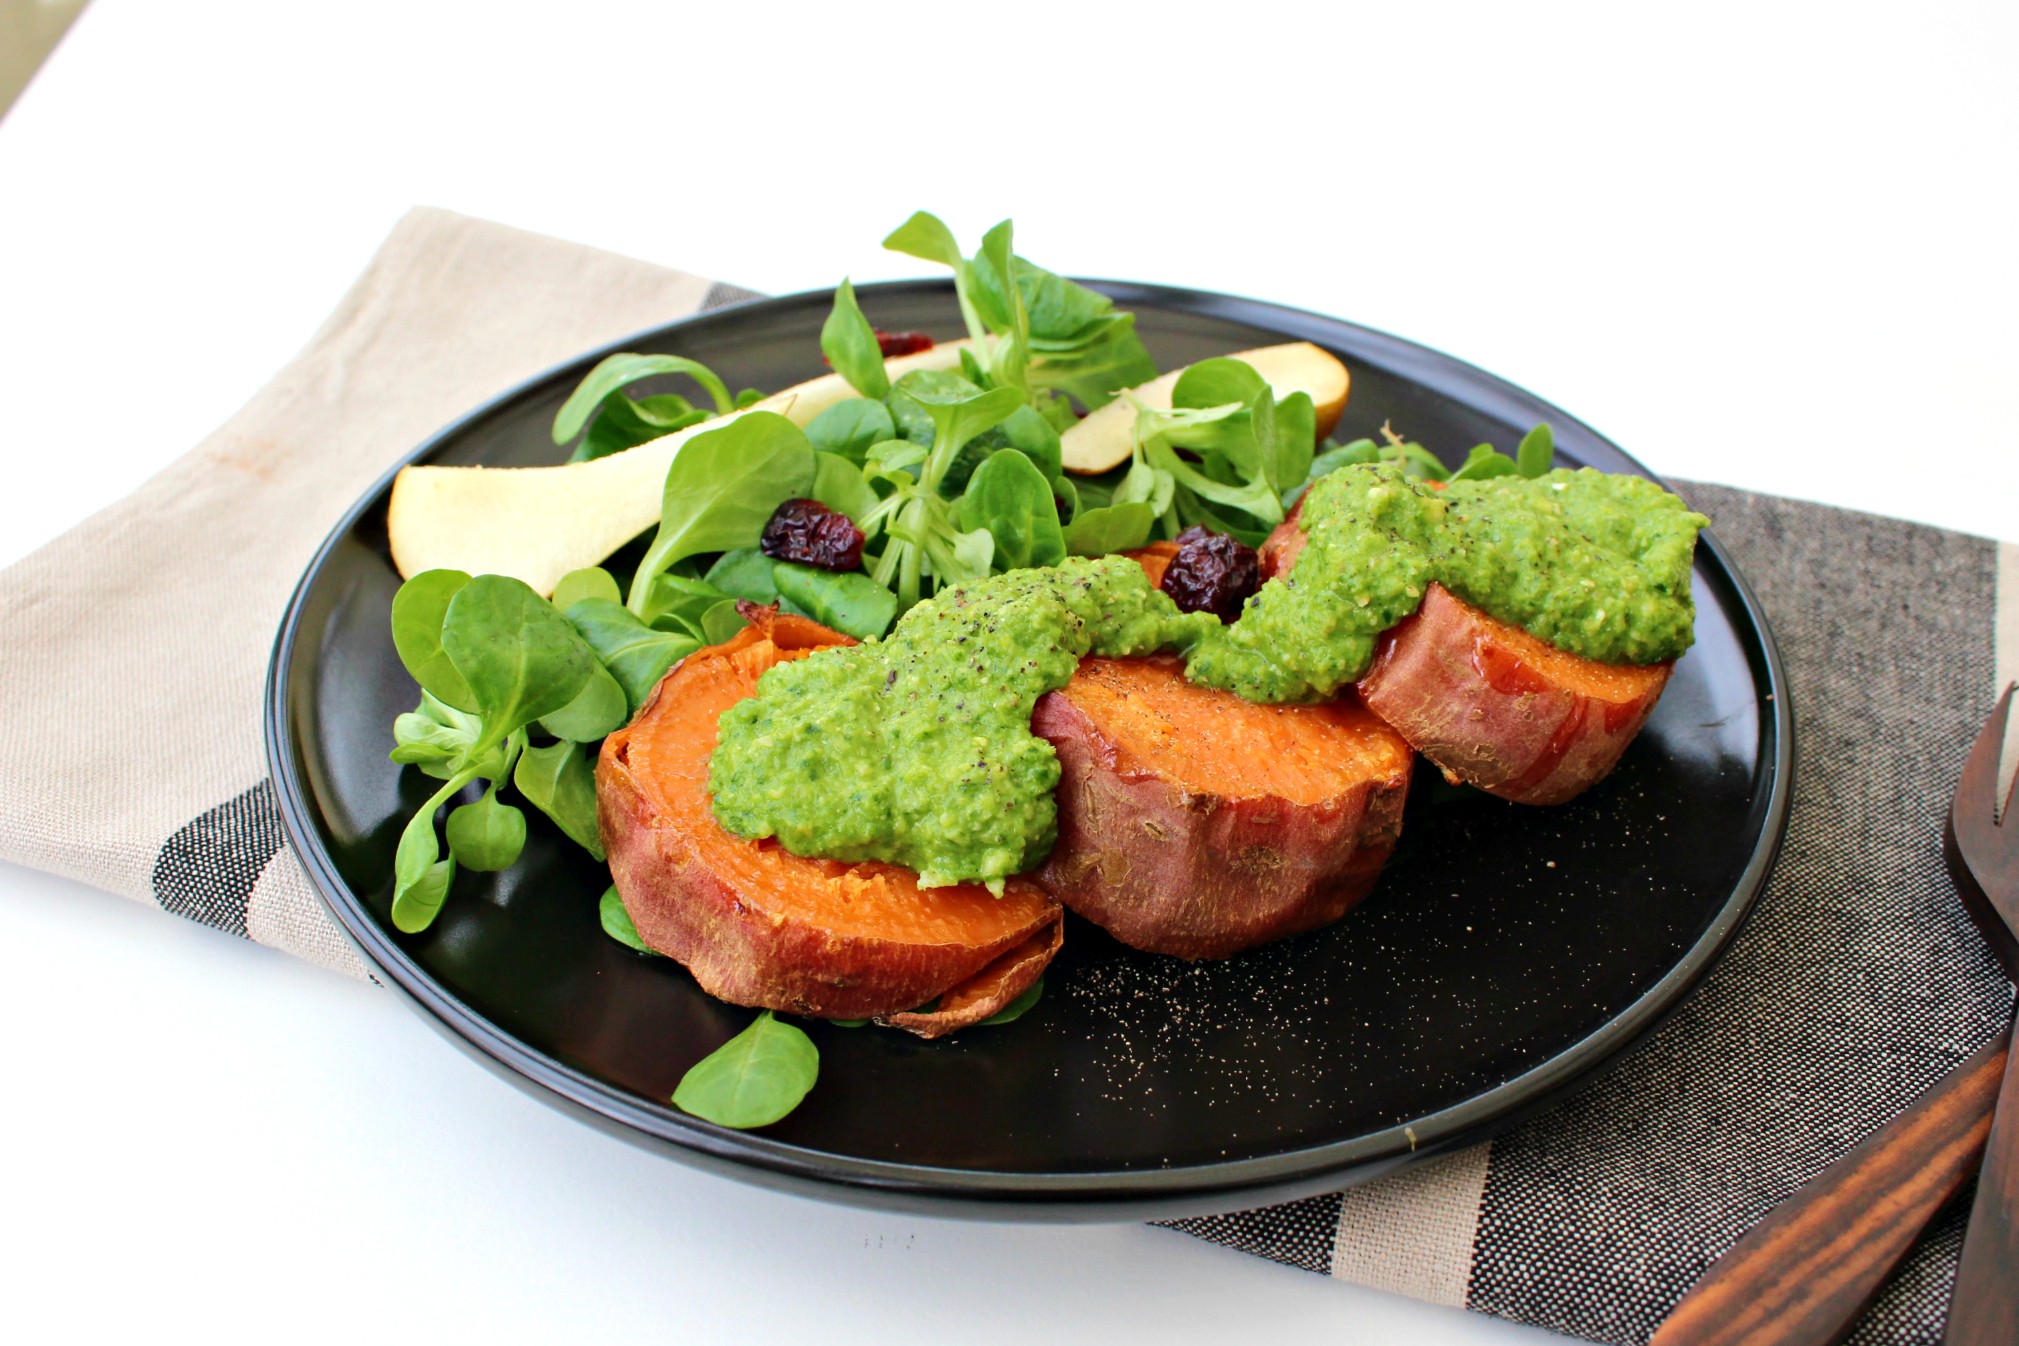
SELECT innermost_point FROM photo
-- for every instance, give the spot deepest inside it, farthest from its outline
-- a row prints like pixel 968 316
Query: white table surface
pixel 1767 248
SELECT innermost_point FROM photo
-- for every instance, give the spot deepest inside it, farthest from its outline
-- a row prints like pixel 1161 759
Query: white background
pixel 1763 244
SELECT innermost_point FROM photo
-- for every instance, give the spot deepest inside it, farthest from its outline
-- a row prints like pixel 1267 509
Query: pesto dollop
pixel 917 749
pixel 1593 563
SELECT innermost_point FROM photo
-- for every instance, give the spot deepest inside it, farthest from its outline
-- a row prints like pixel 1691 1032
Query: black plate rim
pixel 1000 1194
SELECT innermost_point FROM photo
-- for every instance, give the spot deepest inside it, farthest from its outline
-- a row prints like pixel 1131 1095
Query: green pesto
pixel 1593 563
pixel 917 748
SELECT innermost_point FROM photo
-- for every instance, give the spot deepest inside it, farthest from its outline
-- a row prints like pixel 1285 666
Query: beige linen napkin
pixel 174 625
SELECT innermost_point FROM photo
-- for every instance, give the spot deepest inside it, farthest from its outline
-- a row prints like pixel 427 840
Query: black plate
pixel 1505 954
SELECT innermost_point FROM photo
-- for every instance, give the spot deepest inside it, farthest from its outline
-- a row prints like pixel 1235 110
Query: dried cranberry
pixel 1212 573
pixel 902 343
pixel 895 343
pixel 810 533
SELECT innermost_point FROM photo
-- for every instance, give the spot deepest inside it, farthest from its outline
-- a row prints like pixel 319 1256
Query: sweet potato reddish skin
pixel 1280 549
pixel 1497 708
pixel 1197 824
pixel 759 926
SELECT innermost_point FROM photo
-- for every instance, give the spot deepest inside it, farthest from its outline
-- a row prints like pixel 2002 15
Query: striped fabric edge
pixel 2007 643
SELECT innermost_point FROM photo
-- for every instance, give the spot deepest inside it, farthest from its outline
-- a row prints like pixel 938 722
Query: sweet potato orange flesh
pixel 1221 745
pixel 1500 709
pixel 1197 824
pixel 755 924
pixel 1155 559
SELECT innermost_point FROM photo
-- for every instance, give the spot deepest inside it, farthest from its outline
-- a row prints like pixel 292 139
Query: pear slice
pixel 1106 437
pixel 538 523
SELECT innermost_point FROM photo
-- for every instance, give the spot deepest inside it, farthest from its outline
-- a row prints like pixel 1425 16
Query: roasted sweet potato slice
pixel 1490 704
pixel 1197 824
pixel 1500 709
pixel 757 925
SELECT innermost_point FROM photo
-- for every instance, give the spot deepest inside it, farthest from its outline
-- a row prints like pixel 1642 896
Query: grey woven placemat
pixel 1857 982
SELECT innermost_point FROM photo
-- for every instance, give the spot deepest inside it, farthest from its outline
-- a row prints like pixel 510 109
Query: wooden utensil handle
pixel 1801 1276
pixel 1985 1311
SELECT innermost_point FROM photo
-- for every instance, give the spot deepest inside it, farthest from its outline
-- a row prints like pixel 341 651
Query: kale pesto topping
pixel 1593 563
pixel 917 748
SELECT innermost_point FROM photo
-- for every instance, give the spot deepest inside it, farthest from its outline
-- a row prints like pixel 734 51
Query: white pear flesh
pixel 538 523
pixel 1108 434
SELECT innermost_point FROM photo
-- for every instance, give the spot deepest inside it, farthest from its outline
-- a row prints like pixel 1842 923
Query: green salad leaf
pixel 520 658
pixel 1010 499
pixel 850 426
pixel 1484 463
pixel 1016 1009
pixel 851 602
pixel 1534 456
pixel 1149 485
pixel 1334 457
pixel 722 488
pixel 752 1080
pixel 840 485
pixel 850 345
pixel 1295 443
pixel 596 710
pixel 1079 344
pixel 1224 454
pixel 486 835
pixel 922 535
pixel 721 622
pixel 1009 360
pixel 421 874
pixel 745 573
pixel 1537 451
pixel 433 737
pixel 625 424
pixel 619 371
pixel 418 610
pixel 560 781
pixel 889 457
pixel 513 661
pixel 678 603
pixel 958 414
pixel 635 654
pixel 1029 433
pixel 1050 334
pixel 926 237
pixel 1110 528
pixel 617 923
pixel 576 585
pixel 619 422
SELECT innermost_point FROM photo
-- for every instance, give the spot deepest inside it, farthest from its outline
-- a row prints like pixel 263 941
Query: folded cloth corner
pixel 450 312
